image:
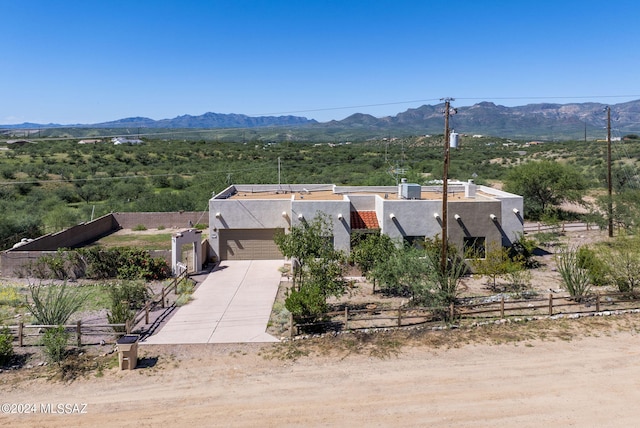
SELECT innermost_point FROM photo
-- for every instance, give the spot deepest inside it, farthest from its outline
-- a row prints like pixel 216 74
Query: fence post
pixel 20 327
pixel 452 311
pixel 79 333
pixel 400 316
pixel 146 313
pixel 597 302
pixel 502 307
pixel 550 304
pixel 346 317
pixel 127 326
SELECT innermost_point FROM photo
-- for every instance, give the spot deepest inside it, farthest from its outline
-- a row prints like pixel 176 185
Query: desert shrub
pixel 594 264
pixel 9 296
pixel 123 262
pixel 6 346
pixel 135 293
pixel 185 290
pixel 281 315
pixel 120 313
pixel 138 264
pixel 125 298
pixel 100 263
pixel 625 269
pixel 55 341
pixel 523 249
pixel 575 279
pixel 53 305
pixel 519 279
pixel 308 301
pixel 64 264
pixel 183 299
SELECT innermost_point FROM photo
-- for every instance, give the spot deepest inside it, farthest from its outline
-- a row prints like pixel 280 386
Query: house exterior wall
pixel 511 219
pixel 362 202
pixel 332 209
pixel 475 221
pixel 410 217
pixel 246 214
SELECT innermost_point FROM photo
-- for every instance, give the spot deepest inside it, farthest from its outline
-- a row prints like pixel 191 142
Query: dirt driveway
pixel 589 381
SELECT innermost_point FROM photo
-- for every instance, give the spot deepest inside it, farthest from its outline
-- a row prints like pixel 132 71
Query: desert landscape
pixel 569 372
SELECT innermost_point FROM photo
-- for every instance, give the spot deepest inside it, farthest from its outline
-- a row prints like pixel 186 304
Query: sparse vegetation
pixel 53 305
pixel 55 341
pixel 6 346
pixel 125 298
pixel 575 278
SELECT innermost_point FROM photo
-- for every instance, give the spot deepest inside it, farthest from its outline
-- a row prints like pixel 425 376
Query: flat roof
pixel 328 195
pixel 318 195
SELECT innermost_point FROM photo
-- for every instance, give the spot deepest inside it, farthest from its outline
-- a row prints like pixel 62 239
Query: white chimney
pixel 470 189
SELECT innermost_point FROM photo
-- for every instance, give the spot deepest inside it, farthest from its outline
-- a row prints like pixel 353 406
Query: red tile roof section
pixel 364 220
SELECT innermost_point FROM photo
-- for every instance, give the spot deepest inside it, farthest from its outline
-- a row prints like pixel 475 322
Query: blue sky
pixel 90 61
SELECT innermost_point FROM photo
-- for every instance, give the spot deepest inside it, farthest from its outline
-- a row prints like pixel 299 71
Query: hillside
pixel 543 121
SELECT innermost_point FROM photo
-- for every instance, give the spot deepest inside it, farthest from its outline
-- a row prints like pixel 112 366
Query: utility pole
pixel 609 182
pixel 279 182
pixel 445 185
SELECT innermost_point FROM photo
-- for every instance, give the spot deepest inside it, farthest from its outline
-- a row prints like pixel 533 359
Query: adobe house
pixel 245 218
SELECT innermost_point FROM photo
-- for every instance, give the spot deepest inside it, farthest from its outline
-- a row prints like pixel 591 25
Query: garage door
pixel 249 244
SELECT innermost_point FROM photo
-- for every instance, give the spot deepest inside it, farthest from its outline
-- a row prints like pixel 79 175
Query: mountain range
pixel 543 121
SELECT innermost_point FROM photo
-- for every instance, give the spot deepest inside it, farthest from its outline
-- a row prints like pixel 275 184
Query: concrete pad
pixel 232 305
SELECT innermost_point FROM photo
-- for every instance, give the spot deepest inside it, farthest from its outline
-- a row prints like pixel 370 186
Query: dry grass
pixel 385 344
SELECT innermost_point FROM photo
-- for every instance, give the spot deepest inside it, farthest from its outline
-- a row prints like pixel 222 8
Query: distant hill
pixel 544 121
pixel 204 121
pixel 540 121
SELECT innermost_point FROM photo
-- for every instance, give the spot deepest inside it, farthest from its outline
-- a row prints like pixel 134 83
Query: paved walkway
pixel 232 305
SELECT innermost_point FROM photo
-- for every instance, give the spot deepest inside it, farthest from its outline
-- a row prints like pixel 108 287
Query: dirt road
pixel 592 381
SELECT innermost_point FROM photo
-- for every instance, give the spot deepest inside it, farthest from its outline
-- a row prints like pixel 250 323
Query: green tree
pixel 404 273
pixel 60 217
pixel 496 263
pixel 320 271
pixel 626 209
pixel 544 185
pixel 623 261
pixel 370 251
pixel 305 242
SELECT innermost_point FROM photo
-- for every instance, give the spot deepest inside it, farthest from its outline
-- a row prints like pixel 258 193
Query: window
pixel 415 241
pixel 475 246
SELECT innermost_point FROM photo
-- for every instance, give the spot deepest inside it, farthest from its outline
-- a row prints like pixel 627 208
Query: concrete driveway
pixel 232 305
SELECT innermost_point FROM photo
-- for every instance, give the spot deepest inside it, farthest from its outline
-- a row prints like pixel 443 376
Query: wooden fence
pixel 81 329
pixel 560 227
pixel 372 317
pixel 159 299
